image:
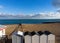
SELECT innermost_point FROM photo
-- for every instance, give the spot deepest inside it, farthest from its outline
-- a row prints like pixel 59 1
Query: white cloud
pixel 49 15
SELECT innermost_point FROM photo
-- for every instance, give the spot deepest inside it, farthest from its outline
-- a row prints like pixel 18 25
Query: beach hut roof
pixel 26 33
pixel 40 32
pixel 33 33
pixel 47 32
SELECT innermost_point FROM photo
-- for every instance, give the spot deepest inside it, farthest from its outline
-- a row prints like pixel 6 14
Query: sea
pixel 28 21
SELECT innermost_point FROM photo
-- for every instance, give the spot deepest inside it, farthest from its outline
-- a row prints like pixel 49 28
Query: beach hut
pixel 17 37
pixel 27 37
pixel 51 38
pixel 43 38
pixel 14 38
pixel 35 37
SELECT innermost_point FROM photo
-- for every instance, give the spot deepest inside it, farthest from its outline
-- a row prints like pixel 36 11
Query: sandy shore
pixel 52 27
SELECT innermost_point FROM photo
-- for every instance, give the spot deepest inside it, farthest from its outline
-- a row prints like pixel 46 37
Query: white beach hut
pixel 27 37
pixel 35 37
pixel 19 38
pixel 51 38
pixel 43 38
pixel 14 38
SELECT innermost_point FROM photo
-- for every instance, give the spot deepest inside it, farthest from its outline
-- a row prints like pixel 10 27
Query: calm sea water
pixel 27 21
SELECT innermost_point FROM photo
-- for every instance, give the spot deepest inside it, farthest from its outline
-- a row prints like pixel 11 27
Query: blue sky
pixel 26 6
